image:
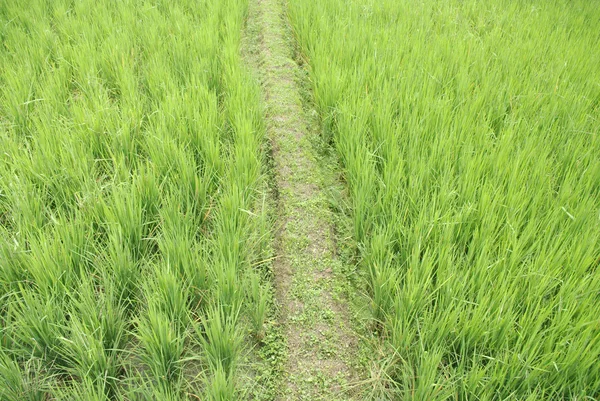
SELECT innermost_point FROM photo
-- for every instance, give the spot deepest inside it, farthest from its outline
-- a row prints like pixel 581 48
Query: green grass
pixel 469 135
pixel 130 190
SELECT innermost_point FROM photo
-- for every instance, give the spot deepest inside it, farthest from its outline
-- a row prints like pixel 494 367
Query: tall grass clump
pixel 469 135
pixel 130 174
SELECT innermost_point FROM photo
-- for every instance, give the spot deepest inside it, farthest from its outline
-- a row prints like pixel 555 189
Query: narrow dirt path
pixel 320 343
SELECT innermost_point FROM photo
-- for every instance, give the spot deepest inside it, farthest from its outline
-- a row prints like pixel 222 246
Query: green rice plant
pixel 119 267
pixel 468 136
pixel 220 340
pixel 383 280
pixel 169 294
pixel 219 387
pixel 125 217
pixel 37 325
pixel 97 336
pixel 182 252
pixel 163 348
pixel 259 304
pixel 88 358
pixel 131 169
pixel 87 389
pixel 13 272
pixel 15 384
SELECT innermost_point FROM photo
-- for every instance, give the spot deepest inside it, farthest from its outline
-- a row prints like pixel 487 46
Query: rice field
pixel 131 193
pixel 137 193
pixel 469 136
